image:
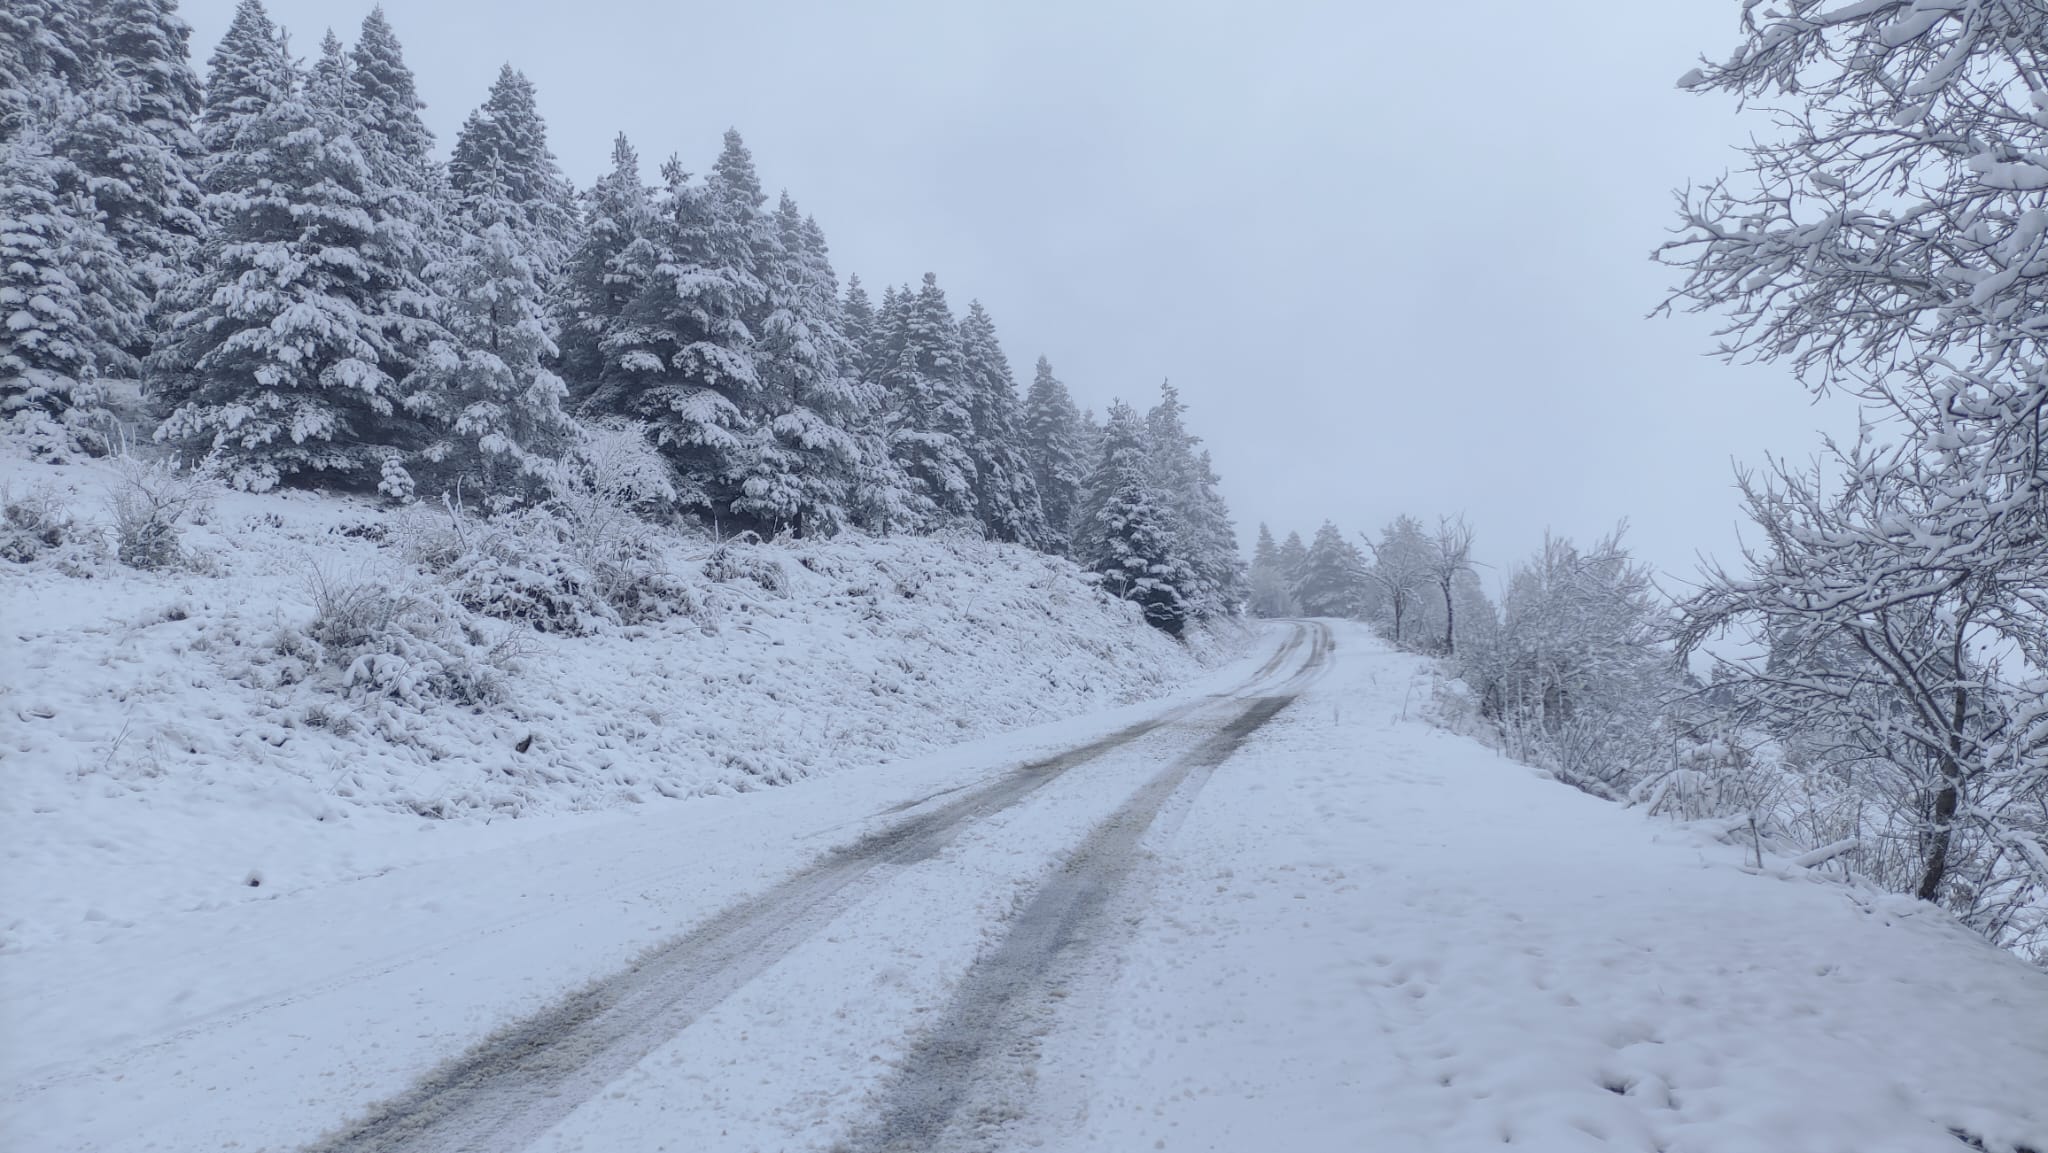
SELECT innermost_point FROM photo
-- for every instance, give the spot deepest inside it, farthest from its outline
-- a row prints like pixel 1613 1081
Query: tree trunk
pixel 1450 620
pixel 1945 803
pixel 1937 852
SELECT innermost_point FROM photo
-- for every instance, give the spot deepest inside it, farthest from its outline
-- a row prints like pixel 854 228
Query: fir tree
pixel 277 356
pixel 1197 515
pixel 857 321
pixel 1293 557
pixel 682 355
pixel 882 499
pixel 329 85
pixel 596 289
pixel 1270 585
pixel 41 41
pixel 247 69
pixel 146 43
pixel 1005 493
pixel 99 209
pixel 64 292
pixel 930 423
pixel 505 141
pixel 141 159
pixel 1054 447
pixel 1125 540
pixel 1328 582
pixel 397 140
pixel 486 389
pixel 1091 453
pixel 804 471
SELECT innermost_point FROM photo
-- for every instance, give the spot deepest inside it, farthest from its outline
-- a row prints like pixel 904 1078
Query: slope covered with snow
pixel 175 739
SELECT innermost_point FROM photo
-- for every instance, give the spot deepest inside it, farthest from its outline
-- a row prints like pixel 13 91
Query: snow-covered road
pixel 1277 911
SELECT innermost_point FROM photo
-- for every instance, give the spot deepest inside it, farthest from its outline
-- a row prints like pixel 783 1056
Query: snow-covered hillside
pixel 177 737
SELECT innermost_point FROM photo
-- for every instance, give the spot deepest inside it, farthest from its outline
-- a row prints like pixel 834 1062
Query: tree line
pixel 311 296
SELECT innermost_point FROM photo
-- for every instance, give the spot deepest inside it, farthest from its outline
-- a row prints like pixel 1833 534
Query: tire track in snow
pixel 949 1068
pixel 509 1089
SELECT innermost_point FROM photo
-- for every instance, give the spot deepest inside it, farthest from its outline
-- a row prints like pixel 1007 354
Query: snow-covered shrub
pixel 406 644
pixel 586 557
pixel 743 559
pixel 33 524
pixel 609 484
pixel 1577 675
pixel 150 502
pixel 515 568
pixel 539 568
pixel 61 438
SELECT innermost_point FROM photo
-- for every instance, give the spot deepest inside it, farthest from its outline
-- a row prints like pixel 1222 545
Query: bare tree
pixel 1578 676
pixel 1450 554
pixel 1888 242
pixel 1400 566
pixel 1901 656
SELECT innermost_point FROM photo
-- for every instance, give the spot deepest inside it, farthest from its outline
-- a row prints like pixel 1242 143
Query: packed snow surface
pixel 1337 928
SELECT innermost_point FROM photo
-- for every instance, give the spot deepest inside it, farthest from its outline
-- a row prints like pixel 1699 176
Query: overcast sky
pixel 1394 258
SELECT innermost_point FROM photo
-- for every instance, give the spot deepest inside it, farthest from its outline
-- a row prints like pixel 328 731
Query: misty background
pixel 1391 266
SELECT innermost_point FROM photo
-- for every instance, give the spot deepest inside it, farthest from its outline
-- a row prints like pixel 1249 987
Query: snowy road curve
pixel 511 1089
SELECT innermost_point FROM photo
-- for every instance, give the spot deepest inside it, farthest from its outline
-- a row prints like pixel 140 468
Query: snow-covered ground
pixel 1340 928
pixel 166 751
pixel 265 1023
pixel 1372 934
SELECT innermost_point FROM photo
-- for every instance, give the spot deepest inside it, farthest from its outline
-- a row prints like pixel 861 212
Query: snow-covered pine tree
pixel 148 44
pixel 1054 447
pixel 595 289
pixel 94 126
pixel 682 356
pixel 1269 583
pixel 506 135
pixel 40 40
pixel 742 240
pixel 398 142
pixel 1090 456
pixel 495 408
pixel 141 157
pixel 328 83
pixel 1126 541
pixel 1328 584
pixel 385 114
pixel 1005 492
pixel 66 296
pixel 930 422
pixel 882 500
pixel 242 76
pixel 1218 565
pixel 857 321
pixel 1197 515
pixel 1293 558
pixel 805 464
pixel 276 357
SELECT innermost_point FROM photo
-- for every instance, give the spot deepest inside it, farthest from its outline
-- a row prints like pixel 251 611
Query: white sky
pixel 1393 257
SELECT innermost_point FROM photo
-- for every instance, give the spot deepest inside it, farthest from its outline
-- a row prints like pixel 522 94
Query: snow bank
pixel 166 736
